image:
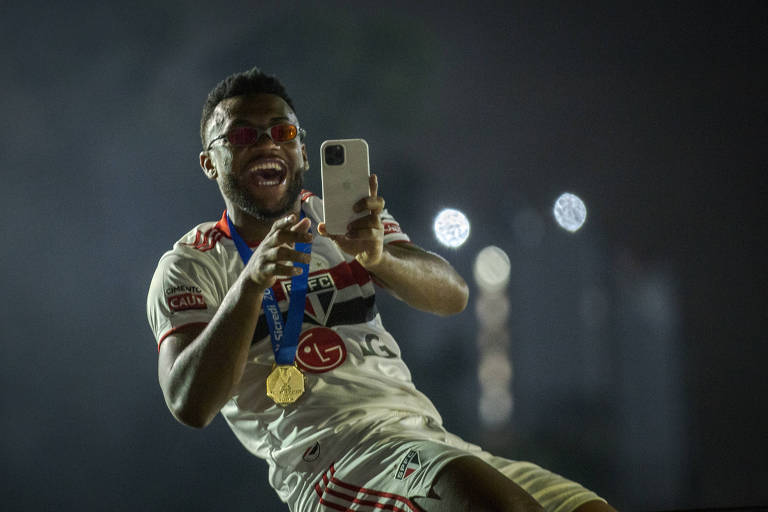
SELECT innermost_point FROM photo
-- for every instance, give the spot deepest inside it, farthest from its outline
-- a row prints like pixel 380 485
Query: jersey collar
pixel 222 226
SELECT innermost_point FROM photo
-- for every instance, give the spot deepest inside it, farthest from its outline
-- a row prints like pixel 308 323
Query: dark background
pixel 638 343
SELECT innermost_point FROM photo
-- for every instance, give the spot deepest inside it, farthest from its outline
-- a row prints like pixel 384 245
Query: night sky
pixel 638 343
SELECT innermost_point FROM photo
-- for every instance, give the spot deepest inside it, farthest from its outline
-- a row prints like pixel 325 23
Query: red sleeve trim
pixel 391 227
pixel 176 329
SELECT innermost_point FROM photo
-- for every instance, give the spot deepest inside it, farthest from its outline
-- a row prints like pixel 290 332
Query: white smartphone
pixel 344 170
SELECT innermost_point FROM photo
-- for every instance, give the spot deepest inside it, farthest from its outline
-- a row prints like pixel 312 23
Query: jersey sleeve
pixel 392 231
pixel 182 292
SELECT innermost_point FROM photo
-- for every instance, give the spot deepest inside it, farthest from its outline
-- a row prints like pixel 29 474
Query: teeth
pixel 267 166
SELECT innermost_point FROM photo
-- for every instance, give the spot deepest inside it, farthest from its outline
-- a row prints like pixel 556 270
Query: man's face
pixel 263 179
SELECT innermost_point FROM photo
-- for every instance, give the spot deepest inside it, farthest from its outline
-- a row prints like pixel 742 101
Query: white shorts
pixel 399 459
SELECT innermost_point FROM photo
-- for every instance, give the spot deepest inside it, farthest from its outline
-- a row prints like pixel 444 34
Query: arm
pixel 421 279
pixel 199 368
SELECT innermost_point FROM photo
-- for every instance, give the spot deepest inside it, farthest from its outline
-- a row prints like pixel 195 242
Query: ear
pixel 206 163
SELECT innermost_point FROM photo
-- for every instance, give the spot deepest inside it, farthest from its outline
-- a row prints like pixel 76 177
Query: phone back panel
pixel 344 184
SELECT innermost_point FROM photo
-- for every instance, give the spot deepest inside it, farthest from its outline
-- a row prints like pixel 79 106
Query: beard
pixel 240 196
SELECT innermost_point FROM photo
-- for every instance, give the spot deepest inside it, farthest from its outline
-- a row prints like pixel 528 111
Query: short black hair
pixel 253 81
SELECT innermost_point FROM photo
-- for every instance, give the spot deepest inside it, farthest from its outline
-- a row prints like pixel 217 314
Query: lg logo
pixel 320 350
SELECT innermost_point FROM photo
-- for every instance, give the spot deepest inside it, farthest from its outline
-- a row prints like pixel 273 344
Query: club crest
pixel 312 453
pixel 408 465
pixel 321 292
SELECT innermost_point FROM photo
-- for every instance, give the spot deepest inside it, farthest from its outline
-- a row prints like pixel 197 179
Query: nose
pixel 265 137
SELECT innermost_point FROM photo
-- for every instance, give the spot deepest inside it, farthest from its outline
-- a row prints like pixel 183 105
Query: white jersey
pixel 353 367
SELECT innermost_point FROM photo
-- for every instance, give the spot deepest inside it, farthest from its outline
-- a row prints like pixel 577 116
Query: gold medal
pixel 285 383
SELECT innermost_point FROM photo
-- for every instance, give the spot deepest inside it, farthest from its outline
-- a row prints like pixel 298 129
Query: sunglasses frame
pixel 300 133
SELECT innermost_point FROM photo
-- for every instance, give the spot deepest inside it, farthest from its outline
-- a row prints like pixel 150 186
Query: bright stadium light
pixel 570 212
pixel 451 227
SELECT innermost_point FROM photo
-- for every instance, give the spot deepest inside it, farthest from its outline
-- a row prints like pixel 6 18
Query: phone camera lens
pixel 334 154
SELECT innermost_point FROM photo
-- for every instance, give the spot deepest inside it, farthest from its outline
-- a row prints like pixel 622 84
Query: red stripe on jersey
pixel 344 274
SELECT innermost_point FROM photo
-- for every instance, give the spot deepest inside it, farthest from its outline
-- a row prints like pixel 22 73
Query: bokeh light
pixel 570 212
pixel 451 227
pixel 492 268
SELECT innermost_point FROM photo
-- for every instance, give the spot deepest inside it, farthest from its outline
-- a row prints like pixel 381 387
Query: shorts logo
pixel 408 465
pixel 312 453
pixel 321 291
pixel 184 301
pixel 320 350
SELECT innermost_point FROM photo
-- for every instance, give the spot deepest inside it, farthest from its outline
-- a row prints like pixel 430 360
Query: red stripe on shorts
pixel 352 499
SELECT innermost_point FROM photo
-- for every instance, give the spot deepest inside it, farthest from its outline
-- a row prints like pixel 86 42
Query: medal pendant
pixel 285 383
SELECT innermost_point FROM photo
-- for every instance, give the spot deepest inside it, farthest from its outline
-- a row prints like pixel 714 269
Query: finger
pixel 302 226
pixel 289 237
pixel 284 254
pixel 335 238
pixel 323 231
pixel 372 202
pixel 269 271
pixel 284 222
pixel 280 269
pixel 373 184
pixel 369 221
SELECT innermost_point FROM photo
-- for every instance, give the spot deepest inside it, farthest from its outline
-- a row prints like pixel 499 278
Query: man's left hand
pixel 364 238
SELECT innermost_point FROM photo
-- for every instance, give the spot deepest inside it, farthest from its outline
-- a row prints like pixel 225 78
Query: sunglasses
pixel 247 135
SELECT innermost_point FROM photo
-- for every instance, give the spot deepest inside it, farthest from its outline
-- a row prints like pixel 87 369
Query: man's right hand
pixel 275 255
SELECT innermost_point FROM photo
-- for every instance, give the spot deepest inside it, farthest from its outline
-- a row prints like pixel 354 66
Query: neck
pixel 253 229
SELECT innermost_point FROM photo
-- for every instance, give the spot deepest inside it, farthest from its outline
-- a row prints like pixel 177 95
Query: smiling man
pixel 265 318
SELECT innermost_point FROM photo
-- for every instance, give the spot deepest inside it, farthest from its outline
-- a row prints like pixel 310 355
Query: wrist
pixel 371 264
pixel 249 285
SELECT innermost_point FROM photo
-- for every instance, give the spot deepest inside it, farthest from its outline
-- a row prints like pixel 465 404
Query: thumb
pixel 302 226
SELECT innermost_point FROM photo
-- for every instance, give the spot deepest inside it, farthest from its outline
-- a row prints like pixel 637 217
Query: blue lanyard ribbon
pixel 284 336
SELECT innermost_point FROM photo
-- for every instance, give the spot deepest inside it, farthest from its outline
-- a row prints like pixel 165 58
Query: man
pixel 338 419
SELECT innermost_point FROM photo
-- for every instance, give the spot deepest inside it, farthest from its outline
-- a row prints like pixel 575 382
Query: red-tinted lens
pixel 242 135
pixel 283 132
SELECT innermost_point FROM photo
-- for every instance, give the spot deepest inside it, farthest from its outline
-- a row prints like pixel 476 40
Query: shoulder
pixel 203 237
pixel 207 244
pixel 312 205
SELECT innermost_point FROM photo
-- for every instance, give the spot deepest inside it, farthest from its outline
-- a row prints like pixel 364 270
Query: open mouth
pixel 268 173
